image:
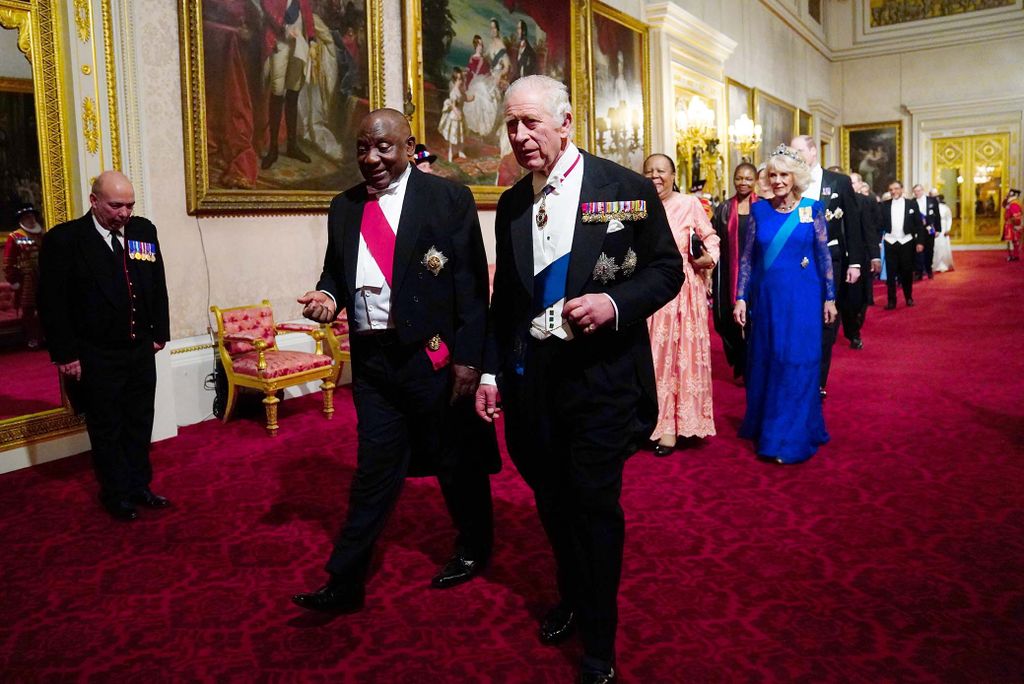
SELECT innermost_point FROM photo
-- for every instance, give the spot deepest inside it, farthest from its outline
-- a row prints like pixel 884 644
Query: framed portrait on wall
pixel 875 151
pixel 273 93
pixel 463 54
pixel 806 123
pixel 739 102
pixel 778 122
pixel 621 115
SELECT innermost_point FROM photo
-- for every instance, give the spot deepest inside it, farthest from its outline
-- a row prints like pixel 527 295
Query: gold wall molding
pixel 11 18
pixel 83 20
pixel 43 426
pixel 111 71
pixel 90 125
pixel 375 67
pixel 194 347
pixel 40 25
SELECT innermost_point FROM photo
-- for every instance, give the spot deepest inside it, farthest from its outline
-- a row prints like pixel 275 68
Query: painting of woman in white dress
pixel 471 51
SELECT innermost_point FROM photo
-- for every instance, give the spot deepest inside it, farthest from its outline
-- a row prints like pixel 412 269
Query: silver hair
pixel 554 94
pixel 791 163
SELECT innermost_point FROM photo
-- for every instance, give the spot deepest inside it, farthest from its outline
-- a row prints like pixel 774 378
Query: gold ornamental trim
pixel 375 28
pixel 194 347
pixel 90 125
pixel 108 55
pixel 12 18
pixel 39 427
pixel 40 27
pixel 83 20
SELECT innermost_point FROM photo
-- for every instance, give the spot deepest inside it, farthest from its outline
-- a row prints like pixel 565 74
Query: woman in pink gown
pixel 680 342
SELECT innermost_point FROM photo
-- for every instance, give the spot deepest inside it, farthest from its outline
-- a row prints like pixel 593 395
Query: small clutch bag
pixel 696 246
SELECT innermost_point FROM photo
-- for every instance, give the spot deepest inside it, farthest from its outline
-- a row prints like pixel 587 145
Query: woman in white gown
pixel 942 260
pixel 483 112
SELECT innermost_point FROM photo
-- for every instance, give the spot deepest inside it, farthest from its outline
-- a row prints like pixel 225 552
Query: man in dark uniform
pixel 584 256
pixel 871 224
pixel 405 260
pixel 103 303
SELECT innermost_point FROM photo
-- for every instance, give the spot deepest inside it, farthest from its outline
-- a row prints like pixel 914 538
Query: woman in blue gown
pixel 786 281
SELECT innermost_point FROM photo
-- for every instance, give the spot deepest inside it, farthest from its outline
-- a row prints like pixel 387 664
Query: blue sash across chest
pixel 779 241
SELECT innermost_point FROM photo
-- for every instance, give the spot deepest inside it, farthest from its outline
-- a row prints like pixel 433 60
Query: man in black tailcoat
pixel 845 238
pixel 931 223
pixel 902 230
pixel 405 260
pixel 103 304
pixel 584 256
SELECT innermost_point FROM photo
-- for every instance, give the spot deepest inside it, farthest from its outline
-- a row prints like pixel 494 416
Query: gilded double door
pixel 970 171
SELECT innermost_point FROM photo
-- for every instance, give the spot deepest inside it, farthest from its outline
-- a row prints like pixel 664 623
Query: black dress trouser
pixel 402 402
pixel 117 390
pixel 899 263
pixel 569 431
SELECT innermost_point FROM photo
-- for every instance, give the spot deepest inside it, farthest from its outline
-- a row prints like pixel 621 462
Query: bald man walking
pixel 103 304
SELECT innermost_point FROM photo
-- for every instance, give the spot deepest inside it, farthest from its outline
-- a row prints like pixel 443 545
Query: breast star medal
pixel 434 343
pixel 605 269
pixel 804 262
pixel 434 260
pixel 629 262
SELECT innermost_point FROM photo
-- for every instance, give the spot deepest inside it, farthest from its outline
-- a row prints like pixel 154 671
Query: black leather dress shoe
pixel 121 510
pixel 558 625
pixel 890 306
pixel 457 570
pixel 663 450
pixel 910 302
pixel 332 598
pixel 856 343
pixel 587 677
pixel 147 498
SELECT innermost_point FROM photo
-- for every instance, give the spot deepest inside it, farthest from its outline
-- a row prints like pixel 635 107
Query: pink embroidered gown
pixel 680 342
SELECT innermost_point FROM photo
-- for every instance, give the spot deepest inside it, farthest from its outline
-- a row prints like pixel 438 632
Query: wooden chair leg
pixel 270 403
pixel 327 387
pixel 230 405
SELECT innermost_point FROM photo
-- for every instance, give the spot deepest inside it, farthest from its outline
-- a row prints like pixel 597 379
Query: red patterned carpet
pixel 896 554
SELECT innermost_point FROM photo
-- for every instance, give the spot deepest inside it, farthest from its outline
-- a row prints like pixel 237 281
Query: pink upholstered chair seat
pixel 279 363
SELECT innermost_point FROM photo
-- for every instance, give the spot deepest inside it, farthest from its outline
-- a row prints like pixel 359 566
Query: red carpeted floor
pixel 29 383
pixel 896 554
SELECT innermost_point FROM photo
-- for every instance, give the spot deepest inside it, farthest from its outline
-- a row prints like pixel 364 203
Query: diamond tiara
pixel 785 151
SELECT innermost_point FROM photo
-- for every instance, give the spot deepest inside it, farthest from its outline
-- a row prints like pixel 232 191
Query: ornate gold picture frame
pixel 739 101
pixel 779 122
pixel 620 87
pixel 39 29
pixel 875 151
pixel 271 103
pixel 462 54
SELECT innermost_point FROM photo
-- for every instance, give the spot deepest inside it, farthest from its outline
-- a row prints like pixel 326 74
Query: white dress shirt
pixel 372 307
pixel 897 214
pixel 813 190
pixel 106 234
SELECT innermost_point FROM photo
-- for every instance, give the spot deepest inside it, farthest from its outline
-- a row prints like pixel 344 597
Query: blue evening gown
pixel 785 302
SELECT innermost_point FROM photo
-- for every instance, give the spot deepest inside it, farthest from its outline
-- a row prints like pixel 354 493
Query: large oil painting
pixel 778 122
pixel 621 121
pixel 875 151
pixel 274 92
pixel 889 12
pixel 464 54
